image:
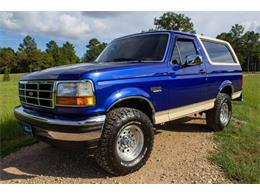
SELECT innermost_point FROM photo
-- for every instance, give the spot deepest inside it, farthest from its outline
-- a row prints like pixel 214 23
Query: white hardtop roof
pixel 211 39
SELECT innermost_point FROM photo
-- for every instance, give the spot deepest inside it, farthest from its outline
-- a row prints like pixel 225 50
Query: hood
pixel 72 72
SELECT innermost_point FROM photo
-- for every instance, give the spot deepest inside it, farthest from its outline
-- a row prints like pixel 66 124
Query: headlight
pixel 79 93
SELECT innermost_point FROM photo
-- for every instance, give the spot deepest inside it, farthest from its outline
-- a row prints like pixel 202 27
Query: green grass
pixel 11 133
pixel 238 152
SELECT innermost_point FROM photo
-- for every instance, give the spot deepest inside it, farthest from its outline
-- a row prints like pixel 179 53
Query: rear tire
pixel 126 142
pixel 218 117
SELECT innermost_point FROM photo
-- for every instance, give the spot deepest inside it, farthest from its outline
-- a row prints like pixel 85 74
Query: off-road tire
pixel 213 115
pixel 106 155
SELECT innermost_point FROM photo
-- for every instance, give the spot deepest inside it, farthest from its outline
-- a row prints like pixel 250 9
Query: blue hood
pixel 106 71
pixel 72 72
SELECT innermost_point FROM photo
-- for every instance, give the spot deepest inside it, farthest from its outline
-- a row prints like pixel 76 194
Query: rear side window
pixel 182 49
pixel 218 52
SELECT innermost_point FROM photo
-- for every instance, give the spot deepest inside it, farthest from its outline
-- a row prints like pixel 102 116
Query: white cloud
pixel 71 25
pixel 81 26
pixel 252 25
pixel 102 14
pixel 77 26
pixel 213 23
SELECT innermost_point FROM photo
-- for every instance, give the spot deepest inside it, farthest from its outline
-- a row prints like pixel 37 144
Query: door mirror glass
pixel 193 60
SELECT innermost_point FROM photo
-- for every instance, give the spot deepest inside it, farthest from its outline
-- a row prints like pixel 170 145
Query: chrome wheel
pixel 224 114
pixel 130 142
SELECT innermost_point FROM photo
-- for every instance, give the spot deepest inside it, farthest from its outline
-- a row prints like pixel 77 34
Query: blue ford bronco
pixel 139 81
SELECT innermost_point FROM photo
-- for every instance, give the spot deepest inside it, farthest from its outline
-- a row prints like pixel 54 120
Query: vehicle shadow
pixel 187 124
pixel 43 160
pixel 46 160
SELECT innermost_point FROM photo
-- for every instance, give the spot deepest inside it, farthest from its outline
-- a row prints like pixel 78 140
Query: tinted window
pixel 176 56
pixel 144 47
pixel 182 49
pixel 218 52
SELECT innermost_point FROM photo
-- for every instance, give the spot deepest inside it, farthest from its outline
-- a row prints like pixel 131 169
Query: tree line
pixel 246 45
pixel 29 58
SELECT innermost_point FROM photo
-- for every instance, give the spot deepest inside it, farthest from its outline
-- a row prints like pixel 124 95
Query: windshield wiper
pixel 126 59
pixel 132 59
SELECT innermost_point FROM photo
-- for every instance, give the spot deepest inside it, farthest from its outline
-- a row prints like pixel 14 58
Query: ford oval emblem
pixel 30 93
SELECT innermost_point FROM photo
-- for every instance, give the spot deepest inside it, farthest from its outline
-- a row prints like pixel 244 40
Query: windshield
pixel 149 47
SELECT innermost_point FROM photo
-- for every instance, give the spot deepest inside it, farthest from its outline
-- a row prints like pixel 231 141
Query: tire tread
pixel 115 118
pixel 212 116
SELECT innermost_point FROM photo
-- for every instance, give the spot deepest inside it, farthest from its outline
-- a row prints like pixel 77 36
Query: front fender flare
pixel 127 93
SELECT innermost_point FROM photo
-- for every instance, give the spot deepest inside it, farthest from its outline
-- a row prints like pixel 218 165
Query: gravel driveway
pixel 180 155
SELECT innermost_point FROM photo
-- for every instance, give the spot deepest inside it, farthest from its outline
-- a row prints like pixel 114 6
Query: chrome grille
pixel 37 93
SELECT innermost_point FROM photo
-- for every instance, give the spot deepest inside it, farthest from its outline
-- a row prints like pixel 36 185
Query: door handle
pixel 201 71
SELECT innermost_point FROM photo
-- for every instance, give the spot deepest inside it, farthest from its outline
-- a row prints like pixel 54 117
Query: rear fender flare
pixel 226 83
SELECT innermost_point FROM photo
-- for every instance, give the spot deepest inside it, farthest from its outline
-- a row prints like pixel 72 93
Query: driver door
pixel 188 83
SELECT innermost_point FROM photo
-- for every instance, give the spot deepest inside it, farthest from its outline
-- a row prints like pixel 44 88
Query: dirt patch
pixel 179 156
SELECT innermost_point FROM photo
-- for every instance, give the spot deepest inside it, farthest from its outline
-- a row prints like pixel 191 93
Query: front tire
pixel 219 117
pixel 126 142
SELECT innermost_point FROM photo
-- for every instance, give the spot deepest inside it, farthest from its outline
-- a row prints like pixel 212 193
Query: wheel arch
pixel 137 102
pixel 226 87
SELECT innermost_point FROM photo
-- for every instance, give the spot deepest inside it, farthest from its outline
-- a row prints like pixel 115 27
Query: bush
pixel 6 76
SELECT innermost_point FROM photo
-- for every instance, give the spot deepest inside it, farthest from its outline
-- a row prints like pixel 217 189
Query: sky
pixel 80 27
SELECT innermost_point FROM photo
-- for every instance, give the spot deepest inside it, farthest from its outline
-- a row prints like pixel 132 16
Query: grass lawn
pixel 11 133
pixel 238 152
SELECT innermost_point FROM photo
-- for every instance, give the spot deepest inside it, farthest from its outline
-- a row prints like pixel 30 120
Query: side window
pixel 218 52
pixel 176 55
pixel 182 49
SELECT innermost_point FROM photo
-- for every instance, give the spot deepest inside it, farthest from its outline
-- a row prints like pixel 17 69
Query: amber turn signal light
pixel 76 101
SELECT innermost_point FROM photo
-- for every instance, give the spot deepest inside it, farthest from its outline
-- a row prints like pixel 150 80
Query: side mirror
pixel 193 60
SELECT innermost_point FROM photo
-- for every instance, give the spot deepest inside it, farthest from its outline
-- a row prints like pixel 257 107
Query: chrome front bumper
pixel 62 128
